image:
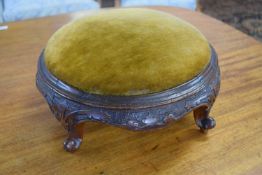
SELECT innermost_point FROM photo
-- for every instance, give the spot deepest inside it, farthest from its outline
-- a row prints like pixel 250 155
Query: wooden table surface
pixel 31 138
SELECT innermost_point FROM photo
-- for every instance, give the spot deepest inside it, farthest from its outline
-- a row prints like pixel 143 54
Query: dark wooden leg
pixel 203 120
pixel 73 142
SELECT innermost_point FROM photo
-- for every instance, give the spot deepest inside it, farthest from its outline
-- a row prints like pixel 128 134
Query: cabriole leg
pixel 74 140
pixel 203 120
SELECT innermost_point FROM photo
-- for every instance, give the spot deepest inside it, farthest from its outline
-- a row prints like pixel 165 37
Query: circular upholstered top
pixel 127 52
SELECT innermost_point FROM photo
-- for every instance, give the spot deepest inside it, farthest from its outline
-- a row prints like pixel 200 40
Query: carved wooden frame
pixel 73 107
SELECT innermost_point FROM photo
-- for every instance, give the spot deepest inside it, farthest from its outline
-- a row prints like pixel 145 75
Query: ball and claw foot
pixel 206 123
pixel 72 144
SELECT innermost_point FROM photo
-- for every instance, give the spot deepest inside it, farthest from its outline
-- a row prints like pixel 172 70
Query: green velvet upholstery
pixel 127 52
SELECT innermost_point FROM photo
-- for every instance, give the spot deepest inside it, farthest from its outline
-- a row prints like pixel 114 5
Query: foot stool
pixel 134 68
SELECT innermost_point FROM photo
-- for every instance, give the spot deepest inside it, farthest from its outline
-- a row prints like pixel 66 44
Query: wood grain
pixel 31 138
